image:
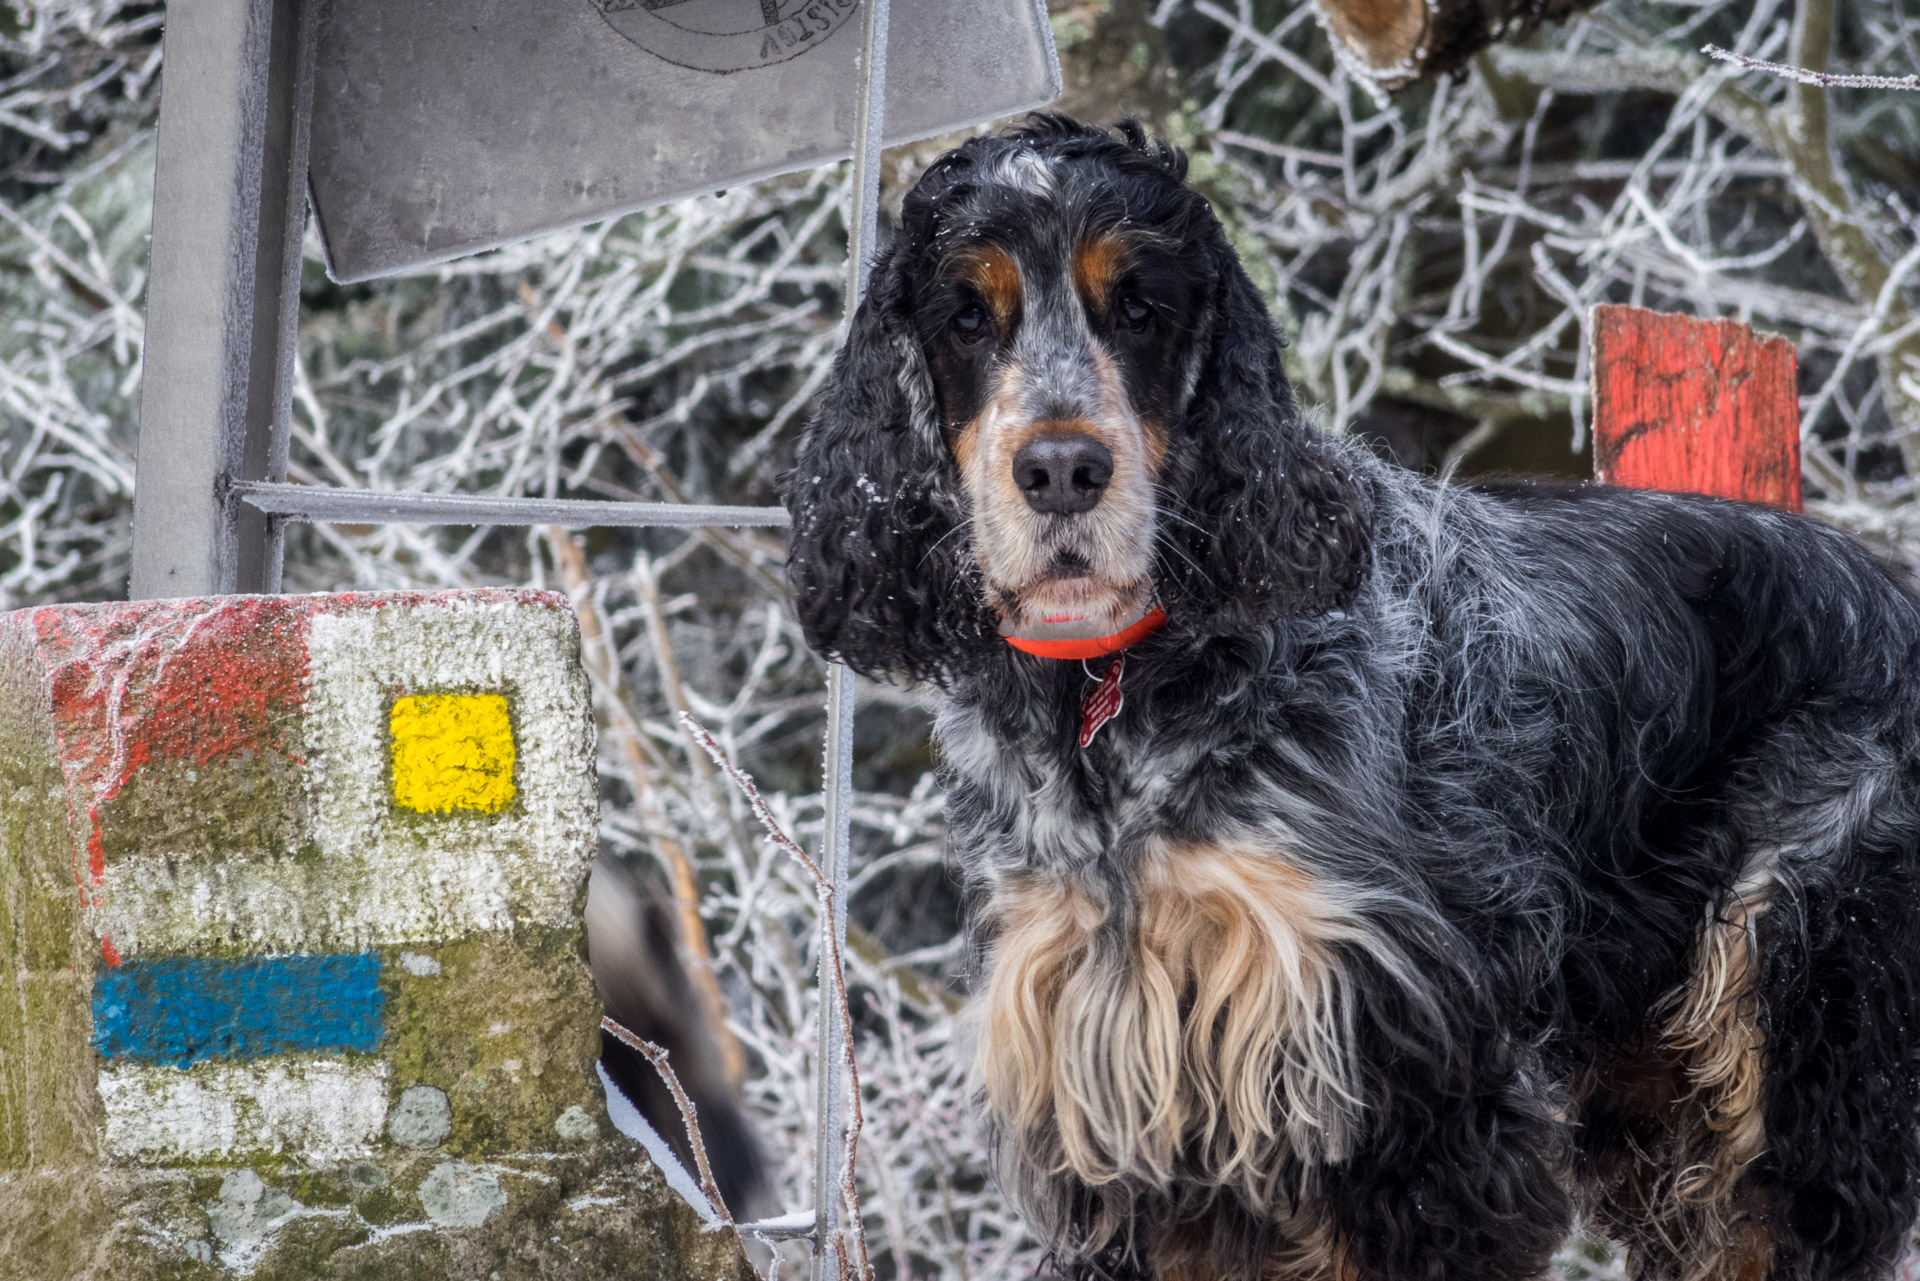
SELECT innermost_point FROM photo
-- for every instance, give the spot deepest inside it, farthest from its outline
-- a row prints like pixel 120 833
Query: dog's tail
pixel 634 945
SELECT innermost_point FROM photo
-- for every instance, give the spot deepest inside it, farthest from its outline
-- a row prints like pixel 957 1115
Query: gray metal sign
pixel 443 127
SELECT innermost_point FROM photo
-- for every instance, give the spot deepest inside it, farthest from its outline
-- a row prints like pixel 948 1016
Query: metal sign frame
pixel 223 302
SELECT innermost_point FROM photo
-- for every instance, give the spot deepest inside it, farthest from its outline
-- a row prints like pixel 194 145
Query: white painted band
pixel 322 1110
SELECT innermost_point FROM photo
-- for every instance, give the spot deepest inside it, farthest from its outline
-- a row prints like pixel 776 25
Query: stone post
pixel 292 973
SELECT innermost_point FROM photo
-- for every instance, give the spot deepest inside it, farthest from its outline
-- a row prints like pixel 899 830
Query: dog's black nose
pixel 1062 474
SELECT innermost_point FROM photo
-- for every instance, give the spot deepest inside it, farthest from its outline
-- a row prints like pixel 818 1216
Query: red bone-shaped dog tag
pixel 1102 702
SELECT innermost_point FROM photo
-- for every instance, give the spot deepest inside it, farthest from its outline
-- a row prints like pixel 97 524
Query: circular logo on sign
pixel 726 35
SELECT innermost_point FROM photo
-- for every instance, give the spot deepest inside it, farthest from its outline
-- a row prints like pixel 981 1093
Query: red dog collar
pixel 1063 644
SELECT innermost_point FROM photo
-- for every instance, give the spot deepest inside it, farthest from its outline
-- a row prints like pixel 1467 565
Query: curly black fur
pixel 1545 743
pixel 1274 519
pixel 883 573
pixel 873 550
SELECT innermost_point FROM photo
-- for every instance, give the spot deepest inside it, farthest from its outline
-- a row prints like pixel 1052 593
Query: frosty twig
pixel 849 1187
pixel 657 1055
pixel 1801 75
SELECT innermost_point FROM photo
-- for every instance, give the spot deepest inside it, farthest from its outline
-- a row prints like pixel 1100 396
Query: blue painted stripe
pixel 183 1009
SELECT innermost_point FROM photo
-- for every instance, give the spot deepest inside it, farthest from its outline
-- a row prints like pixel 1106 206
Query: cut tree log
pixel 1393 44
pixel 1697 406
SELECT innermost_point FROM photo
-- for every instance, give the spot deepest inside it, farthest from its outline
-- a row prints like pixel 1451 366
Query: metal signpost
pixel 445 127
pixel 223 294
pixel 837 773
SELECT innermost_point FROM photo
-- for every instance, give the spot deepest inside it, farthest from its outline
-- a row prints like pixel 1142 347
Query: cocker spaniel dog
pixel 1368 876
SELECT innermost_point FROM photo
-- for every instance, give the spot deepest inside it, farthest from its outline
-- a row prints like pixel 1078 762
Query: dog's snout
pixel 1062 474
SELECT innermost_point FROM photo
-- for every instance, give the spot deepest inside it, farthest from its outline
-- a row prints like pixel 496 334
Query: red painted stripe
pixel 1095 646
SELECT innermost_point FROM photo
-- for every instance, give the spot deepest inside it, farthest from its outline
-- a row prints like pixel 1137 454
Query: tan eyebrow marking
pixel 1097 264
pixel 992 271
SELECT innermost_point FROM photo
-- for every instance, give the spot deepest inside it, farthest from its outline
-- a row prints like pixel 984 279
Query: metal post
pixel 229 211
pixel 862 232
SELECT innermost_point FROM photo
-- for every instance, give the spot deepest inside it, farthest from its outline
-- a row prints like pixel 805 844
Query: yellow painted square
pixel 452 752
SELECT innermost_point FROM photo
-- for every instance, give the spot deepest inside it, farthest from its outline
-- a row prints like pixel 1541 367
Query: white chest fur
pixel 1204 1021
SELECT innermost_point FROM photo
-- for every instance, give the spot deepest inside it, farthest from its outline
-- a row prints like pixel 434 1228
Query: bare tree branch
pixel 1801 75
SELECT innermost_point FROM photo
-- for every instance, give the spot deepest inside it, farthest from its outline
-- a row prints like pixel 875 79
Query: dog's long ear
pixel 881 567
pixel 1276 520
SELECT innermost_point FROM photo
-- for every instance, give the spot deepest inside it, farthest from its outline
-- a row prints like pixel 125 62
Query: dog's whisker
pixel 1167 545
pixel 1165 512
pixel 959 527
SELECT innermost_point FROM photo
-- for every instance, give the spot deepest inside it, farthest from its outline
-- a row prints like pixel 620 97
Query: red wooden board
pixel 1701 406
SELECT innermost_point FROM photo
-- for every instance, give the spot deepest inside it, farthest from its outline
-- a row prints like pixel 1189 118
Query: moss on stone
pixel 304 1248
pixel 602 1214
pixel 244 807
pixel 46 1110
pixel 61 1066
pixel 382 1207
pixel 507 1029
pixel 320 1187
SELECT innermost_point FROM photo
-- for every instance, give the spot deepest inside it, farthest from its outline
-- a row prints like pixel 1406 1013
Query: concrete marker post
pixel 292 976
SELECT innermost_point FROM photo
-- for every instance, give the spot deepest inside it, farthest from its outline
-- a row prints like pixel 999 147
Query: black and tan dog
pixel 1429 865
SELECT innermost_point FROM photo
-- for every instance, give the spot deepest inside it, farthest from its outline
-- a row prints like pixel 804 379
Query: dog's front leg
pixel 1462 1174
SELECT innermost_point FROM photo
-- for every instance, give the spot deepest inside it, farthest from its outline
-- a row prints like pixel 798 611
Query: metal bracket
pixel 407 507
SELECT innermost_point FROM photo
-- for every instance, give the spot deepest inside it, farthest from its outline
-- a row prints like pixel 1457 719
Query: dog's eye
pixel 970 322
pixel 1133 313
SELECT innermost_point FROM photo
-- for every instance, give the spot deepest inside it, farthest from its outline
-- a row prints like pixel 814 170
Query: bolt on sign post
pixel 1697 406
pixel 288 887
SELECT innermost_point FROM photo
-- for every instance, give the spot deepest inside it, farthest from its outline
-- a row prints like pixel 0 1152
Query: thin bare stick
pixel 755 801
pixel 1806 76
pixel 735 546
pixel 657 1055
pixel 646 586
pixel 856 1118
pixel 603 667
